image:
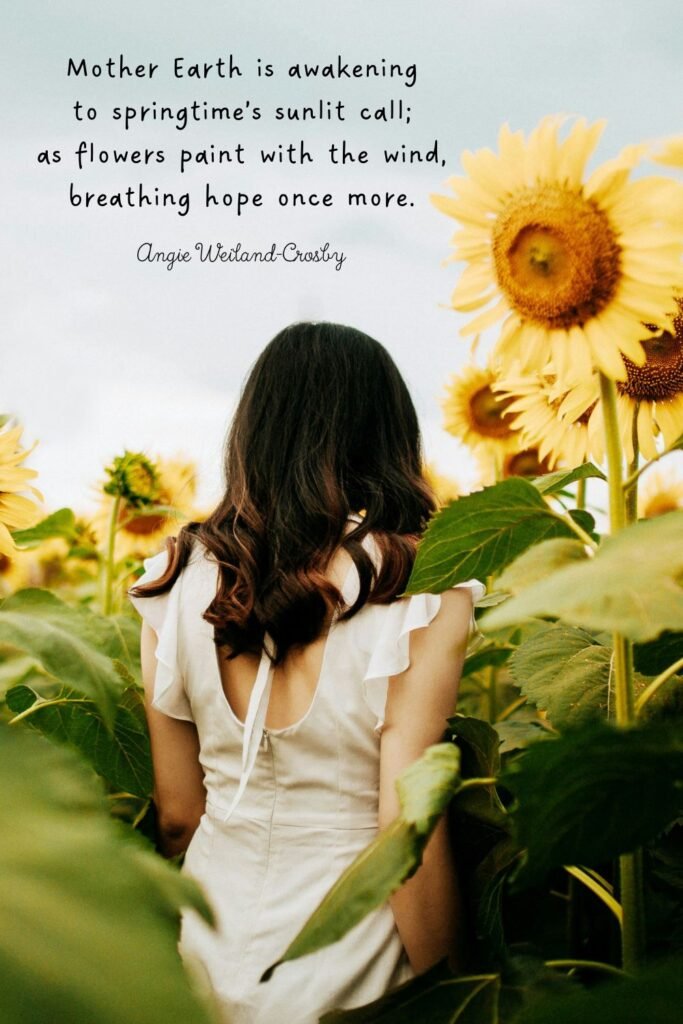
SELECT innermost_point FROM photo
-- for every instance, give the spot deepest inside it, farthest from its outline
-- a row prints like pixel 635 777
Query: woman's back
pixel 291 769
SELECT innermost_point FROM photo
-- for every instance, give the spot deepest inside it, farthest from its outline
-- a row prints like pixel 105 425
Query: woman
pixel 288 684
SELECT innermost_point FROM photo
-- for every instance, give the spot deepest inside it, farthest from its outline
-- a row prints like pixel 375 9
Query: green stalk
pixel 109 557
pixel 588 965
pixel 656 683
pixel 630 864
pixel 581 493
pixel 632 491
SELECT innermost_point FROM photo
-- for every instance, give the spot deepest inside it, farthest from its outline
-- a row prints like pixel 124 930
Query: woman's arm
pixel 427 908
pixel 179 793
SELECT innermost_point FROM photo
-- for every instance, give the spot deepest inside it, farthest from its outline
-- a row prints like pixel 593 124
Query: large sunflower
pixel 573 267
pixel 476 415
pixel 558 421
pixel 17 512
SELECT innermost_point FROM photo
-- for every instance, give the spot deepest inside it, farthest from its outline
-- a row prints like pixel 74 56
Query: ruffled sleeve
pixel 390 654
pixel 161 613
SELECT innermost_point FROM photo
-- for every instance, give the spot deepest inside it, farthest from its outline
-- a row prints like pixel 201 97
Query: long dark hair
pixel 325 426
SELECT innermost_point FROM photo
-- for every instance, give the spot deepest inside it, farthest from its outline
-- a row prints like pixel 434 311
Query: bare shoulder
pixel 450 627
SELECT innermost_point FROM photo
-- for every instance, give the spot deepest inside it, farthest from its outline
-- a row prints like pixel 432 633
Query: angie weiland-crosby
pixel 217 252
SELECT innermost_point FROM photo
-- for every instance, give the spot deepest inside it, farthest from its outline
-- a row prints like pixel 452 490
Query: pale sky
pixel 100 352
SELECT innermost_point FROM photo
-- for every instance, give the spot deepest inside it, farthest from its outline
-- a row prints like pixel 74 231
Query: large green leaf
pixel 425 789
pixel 122 757
pixel 481 533
pixel 539 561
pixel 633 584
pixel 61 523
pixel 654 996
pixel 88 922
pixel 73 645
pixel 594 793
pixel 565 672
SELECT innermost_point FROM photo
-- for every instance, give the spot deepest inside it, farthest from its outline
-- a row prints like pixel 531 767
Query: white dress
pixel 287 809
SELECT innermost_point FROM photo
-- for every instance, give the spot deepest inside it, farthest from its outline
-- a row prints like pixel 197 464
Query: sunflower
pixel 573 267
pixel 445 488
pixel 653 393
pixel 660 493
pixel 156 497
pixel 17 511
pixel 558 421
pixel 476 415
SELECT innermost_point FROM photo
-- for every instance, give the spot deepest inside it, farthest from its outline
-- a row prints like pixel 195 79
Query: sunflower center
pixel 525 463
pixel 661 376
pixel 5 564
pixel 141 525
pixel 556 256
pixel 488 413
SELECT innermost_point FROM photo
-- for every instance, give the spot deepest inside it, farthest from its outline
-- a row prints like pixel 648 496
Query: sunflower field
pixel 561 773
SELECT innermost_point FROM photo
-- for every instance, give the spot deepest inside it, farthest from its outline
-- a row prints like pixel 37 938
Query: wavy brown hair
pixel 325 426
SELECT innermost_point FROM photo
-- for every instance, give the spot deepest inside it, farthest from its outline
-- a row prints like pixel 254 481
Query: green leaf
pixel 649 998
pixel 16 666
pixel 539 561
pixel 565 672
pixel 425 788
pixel 632 584
pixel 612 790
pixel 122 757
pixel 369 881
pixel 428 785
pixel 481 533
pixel 88 922
pixel 72 645
pixel 59 524
pixel 551 483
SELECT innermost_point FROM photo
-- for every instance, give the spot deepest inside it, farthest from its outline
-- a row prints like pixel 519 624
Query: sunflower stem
pixel 581 494
pixel 632 492
pixel 630 864
pixel 107 585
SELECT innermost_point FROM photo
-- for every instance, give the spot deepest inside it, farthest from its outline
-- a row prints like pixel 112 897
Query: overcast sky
pixel 101 352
